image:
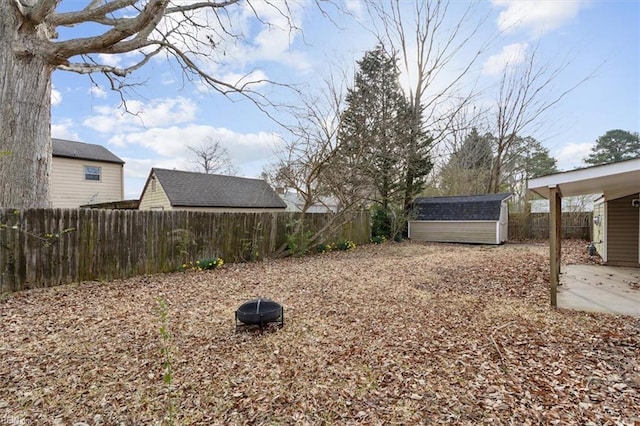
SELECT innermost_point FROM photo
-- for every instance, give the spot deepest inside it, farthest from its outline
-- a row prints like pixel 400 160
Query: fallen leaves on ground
pixel 395 333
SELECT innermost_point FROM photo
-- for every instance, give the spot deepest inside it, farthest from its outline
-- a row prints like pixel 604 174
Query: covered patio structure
pixel 619 184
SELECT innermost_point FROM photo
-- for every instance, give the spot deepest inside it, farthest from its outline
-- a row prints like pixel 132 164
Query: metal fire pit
pixel 260 312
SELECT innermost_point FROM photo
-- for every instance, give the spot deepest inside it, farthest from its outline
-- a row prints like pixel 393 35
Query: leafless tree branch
pixel 526 93
pixel 212 157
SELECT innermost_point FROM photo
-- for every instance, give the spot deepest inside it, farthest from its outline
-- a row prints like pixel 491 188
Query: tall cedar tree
pixel 375 132
pixel 467 171
pixel 418 157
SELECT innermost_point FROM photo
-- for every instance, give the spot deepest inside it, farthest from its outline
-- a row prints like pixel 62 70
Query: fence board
pixel 536 225
pixel 108 244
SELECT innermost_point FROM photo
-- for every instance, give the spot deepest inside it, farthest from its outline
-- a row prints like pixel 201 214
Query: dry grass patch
pixel 396 333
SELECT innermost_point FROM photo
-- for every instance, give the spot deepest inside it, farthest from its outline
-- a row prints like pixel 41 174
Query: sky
pixel 166 113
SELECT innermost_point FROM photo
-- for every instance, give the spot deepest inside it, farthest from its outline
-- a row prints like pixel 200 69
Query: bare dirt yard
pixel 393 334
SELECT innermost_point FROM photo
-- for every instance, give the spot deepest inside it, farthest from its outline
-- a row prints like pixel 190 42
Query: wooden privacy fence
pixel 536 225
pixel 48 247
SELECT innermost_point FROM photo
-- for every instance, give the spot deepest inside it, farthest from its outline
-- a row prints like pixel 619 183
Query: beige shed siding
pixel 69 189
pixel 622 231
pixel 599 237
pixel 154 197
pixel 483 232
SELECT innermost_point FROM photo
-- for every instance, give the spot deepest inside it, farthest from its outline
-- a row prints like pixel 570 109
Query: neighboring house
pixel 84 173
pixel 479 219
pixel 616 214
pixel 180 190
pixel 295 203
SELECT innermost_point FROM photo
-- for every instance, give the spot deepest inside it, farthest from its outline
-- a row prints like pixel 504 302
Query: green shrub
pixel 212 263
pixel 378 239
pixel 381 222
pixel 299 243
pixel 202 264
pixel 323 248
pixel 345 245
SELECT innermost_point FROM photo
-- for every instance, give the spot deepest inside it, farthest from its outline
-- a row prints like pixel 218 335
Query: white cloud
pixel 56 97
pixel 274 42
pixel 62 130
pixel 570 156
pixel 250 81
pixel 138 168
pixel 270 41
pixel 110 60
pixel 172 142
pixel 254 79
pixel 158 112
pixel 163 141
pixel 122 60
pixel 167 148
pixel 511 54
pixel 536 17
pixel 159 132
pixel 98 92
pixel 356 8
pixel 168 79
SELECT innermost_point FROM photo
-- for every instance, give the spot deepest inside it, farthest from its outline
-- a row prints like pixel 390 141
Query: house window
pixel 92 173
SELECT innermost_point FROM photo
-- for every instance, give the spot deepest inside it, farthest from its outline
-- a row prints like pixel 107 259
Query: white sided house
pixel 84 173
pixel 181 190
pixel 478 219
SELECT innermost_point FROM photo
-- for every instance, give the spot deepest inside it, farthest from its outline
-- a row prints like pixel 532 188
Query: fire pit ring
pixel 260 312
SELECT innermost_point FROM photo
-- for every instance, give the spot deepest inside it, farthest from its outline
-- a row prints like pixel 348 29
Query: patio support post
pixel 555 238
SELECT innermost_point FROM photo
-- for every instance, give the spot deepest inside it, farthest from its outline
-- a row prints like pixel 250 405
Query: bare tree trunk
pixel 495 177
pixel 25 116
pixel 412 150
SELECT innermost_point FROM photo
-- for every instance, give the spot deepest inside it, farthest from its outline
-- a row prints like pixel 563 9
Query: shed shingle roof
pixel 83 151
pixel 191 189
pixel 468 207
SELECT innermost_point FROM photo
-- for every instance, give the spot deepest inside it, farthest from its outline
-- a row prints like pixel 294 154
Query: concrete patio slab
pixel 595 288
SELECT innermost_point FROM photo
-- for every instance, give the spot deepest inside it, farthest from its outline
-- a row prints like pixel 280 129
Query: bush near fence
pixel 48 247
pixel 528 226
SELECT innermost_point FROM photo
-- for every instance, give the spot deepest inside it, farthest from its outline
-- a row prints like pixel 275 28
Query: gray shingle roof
pixel 190 189
pixel 83 151
pixel 468 207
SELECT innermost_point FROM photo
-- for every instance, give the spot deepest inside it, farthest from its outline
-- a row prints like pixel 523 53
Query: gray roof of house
pixel 83 151
pixel 468 207
pixel 191 189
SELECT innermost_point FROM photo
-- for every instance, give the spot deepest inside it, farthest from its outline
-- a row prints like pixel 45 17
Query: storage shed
pixel 480 219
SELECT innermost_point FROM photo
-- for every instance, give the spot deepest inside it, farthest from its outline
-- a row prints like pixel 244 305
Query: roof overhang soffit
pixel 612 180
